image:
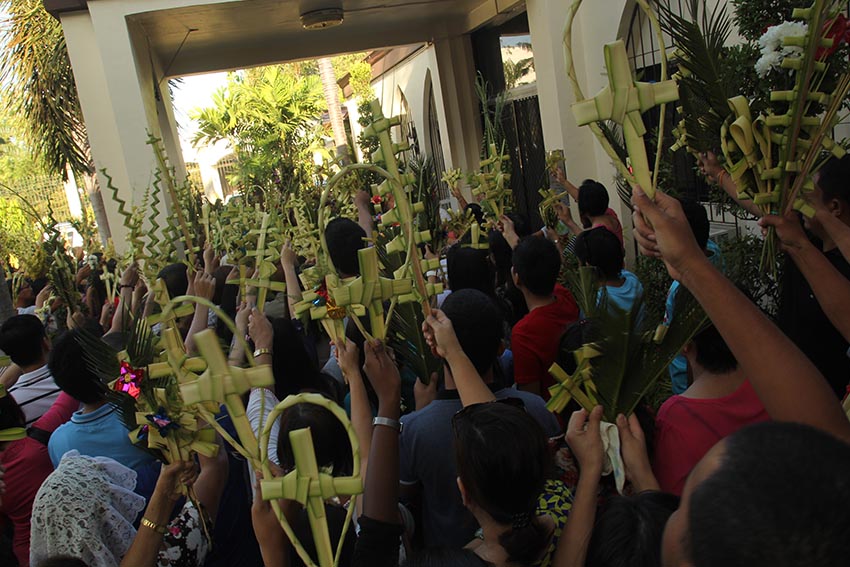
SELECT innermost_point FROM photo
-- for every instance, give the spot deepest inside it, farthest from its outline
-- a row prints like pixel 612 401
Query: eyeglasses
pixel 472 409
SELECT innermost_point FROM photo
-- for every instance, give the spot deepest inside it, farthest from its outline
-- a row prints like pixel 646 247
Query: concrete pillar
pixel 117 83
pixel 593 28
pixel 456 80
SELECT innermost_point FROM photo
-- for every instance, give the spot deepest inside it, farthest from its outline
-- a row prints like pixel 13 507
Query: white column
pixel 597 23
pixel 115 77
pixel 455 79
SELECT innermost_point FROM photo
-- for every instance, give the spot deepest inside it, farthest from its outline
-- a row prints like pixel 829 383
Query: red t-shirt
pixel 686 428
pixel 535 339
pixel 27 464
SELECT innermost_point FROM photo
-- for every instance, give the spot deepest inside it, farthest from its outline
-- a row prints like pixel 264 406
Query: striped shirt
pixel 35 392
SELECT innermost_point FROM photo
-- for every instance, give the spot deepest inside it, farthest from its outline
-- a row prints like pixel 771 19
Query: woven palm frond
pixel 632 362
pixel 704 87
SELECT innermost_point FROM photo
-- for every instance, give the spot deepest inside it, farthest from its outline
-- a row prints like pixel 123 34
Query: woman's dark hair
pixel 71 375
pixel 293 367
pixel 478 324
pixel 740 514
pixel 477 212
pixel 832 179
pixel 330 439
pixel 502 457
pixel 21 337
pixel 11 414
pixel 176 279
pixel 445 557
pixel 629 529
pixel 344 238
pixel 469 268
pixel 592 198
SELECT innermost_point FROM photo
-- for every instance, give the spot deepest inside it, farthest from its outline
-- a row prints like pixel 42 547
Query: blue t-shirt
pixel 679 367
pixel 626 295
pixel 100 433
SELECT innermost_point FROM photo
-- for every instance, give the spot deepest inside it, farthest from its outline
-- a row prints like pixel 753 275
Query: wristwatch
pixel 387 422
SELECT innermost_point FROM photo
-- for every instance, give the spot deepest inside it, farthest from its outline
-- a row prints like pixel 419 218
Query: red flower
pixel 130 379
pixel 376 200
pixel 838 31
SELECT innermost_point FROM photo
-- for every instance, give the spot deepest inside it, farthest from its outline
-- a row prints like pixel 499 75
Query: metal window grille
pixel 226 169
pixel 436 146
pixel 40 190
pixel 193 172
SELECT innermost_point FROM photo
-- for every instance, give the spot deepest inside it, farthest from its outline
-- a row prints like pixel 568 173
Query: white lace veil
pixel 85 509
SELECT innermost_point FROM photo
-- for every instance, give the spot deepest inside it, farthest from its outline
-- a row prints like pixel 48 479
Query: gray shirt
pixel 427 458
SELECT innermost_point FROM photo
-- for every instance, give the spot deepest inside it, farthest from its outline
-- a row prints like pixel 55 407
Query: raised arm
pixel 788 384
pixel 364 213
pixel 204 287
pixel 717 174
pixel 830 287
pixel 348 357
pixel 440 335
pixel 585 442
pixel 288 258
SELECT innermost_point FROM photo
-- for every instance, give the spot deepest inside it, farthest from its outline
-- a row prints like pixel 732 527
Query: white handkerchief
pixel 613 460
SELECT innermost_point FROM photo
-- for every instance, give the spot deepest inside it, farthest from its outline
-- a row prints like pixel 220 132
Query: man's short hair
pixel 592 198
pixel 600 248
pixel 713 353
pixel 537 262
pixel 22 339
pixel 345 237
pixel 70 372
pixel 478 324
pixel 740 515
pixel 697 219
pixel 833 179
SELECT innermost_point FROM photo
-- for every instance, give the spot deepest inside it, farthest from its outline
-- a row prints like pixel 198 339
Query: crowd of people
pixel 746 464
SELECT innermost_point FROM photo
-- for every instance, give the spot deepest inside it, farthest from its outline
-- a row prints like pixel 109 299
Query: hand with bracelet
pixel 261 332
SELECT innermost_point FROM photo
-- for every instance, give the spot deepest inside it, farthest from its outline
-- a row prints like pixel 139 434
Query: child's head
pixel 70 372
pixel 23 339
pixel 469 268
pixel 344 238
pixel 628 530
pixel 600 248
pixel 592 199
pixel 770 495
pixel 537 264
pixel 709 351
pixel 502 456
pixel 478 324
pixel 330 440
pixel 697 219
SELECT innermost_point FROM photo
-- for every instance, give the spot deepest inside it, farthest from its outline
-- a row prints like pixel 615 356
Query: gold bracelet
pixel 720 177
pixel 261 351
pixel 155 527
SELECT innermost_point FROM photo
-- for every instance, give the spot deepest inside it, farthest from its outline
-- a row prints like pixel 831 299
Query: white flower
pixel 772 49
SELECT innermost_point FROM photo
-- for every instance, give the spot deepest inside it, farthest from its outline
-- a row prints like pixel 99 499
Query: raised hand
pixel 260 330
pixel 662 231
pixel 440 334
pixel 585 440
pixel 382 372
pixel 635 456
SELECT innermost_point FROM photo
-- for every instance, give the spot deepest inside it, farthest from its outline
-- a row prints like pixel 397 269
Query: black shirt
pixel 803 320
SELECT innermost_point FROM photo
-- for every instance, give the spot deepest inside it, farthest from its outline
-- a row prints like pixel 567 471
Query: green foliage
pixel 515 71
pixel 38 85
pixel 271 118
pixel 360 79
pixel 753 16
pixel 20 236
pixel 656 283
pixel 741 258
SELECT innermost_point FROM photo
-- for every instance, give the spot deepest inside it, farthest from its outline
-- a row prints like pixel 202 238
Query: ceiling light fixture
pixel 321 14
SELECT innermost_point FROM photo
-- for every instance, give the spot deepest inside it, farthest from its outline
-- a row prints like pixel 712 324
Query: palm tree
pixel 38 85
pixel 269 116
pixel 330 88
